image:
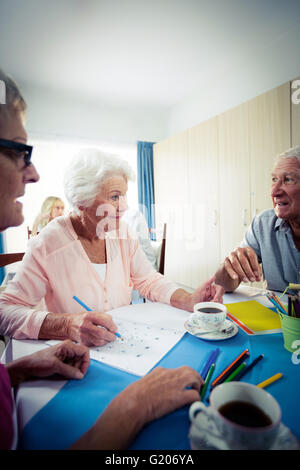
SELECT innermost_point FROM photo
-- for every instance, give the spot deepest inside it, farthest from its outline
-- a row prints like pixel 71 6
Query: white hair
pixel 293 152
pixel 85 174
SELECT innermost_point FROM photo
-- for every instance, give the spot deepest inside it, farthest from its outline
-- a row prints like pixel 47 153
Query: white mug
pixel 208 321
pixel 227 433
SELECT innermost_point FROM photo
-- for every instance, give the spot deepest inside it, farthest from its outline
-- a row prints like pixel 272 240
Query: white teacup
pixel 209 316
pixel 224 428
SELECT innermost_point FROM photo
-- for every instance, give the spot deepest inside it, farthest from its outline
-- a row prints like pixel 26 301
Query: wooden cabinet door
pixel 171 202
pixel 234 177
pixel 203 245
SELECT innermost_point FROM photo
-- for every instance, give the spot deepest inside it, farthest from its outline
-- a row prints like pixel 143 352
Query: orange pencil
pixel 230 368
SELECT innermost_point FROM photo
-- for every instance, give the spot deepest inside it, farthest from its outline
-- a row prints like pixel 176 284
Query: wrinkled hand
pixel 149 398
pixel 67 359
pixel 242 264
pixel 84 328
pixel 207 292
pixel 162 391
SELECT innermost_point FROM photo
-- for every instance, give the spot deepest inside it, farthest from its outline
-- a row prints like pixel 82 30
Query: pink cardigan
pixel 56 267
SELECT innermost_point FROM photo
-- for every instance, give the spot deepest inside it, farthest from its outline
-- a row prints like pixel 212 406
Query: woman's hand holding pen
pixel 84 328
pixel 80 327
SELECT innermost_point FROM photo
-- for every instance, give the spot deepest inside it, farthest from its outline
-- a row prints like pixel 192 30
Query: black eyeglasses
pixel 16 150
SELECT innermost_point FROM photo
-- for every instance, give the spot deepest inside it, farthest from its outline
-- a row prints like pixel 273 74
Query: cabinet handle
pixel 245 217
pixel 215 217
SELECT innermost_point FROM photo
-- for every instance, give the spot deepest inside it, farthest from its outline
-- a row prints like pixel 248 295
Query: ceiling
pixel 137 52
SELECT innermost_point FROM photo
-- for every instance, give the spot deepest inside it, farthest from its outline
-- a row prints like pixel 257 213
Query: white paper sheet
pixel 149 331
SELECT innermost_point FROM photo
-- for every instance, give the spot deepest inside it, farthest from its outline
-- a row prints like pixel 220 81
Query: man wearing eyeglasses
pixel 16 169
pixel 273 239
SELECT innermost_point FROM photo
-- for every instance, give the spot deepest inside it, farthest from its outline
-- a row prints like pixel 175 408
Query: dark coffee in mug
pixel 245 414
pixel 210 310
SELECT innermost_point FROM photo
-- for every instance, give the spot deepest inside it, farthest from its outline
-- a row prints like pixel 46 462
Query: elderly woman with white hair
pixel 90 254
pixel 273 238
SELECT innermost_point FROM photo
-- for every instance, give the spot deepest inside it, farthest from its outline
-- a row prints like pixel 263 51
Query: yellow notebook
pixel 253 317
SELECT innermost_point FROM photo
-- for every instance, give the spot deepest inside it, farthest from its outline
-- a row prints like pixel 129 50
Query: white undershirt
pixel 101 270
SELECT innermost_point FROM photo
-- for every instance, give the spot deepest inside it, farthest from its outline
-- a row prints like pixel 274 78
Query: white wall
pixel 259 72
pixel 52 113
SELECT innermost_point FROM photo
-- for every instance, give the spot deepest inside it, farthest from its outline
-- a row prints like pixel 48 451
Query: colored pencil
pixel 269 381
pixel 207 380
pixel 276 305
pixel 236 372
pixel 212 358
pixel 278 301
pixel 230 368
pixel 250 366
pixel 90 310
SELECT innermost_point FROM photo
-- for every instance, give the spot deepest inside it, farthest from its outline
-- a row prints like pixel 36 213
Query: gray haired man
pixel 273 238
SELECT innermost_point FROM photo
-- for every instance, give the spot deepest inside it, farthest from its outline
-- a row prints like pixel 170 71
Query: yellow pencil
pixel 269 381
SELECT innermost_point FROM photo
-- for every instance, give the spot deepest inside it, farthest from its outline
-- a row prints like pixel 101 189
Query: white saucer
pixel 216 336
pixel 205 436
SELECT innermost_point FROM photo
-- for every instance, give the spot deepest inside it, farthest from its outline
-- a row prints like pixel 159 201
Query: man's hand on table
pixel 240 266
pixel 156 394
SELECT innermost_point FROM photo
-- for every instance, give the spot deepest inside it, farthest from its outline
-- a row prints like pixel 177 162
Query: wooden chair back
pixel 162 252
pixel 9 258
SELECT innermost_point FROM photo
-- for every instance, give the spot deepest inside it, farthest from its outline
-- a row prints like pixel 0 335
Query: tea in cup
pixel 209 316
pixel 240 415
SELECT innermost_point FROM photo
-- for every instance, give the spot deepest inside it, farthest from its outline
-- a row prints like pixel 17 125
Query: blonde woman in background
pixel 51 208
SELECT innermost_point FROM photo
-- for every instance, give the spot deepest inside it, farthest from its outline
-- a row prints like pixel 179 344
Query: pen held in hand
pixel 90 310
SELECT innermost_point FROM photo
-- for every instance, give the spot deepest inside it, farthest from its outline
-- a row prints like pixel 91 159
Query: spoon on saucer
pixel 224 330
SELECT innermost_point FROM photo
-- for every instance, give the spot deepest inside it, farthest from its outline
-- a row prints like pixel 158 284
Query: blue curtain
pixel 145 180
pixel 2 270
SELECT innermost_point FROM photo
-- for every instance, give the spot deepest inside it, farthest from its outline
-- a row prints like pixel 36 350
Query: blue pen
pixel 89 310
pixel 212 359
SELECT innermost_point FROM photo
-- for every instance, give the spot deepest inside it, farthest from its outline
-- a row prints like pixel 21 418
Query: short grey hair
pixel 293 152
pixel 14 101
pixel 85 174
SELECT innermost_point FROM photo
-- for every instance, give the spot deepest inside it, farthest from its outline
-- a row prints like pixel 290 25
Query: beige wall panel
pixel 202 248
pixel 234 181
pixel 171 197
pixel 269 135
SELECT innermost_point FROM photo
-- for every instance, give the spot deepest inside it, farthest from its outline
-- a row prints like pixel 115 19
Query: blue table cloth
pixel 79 403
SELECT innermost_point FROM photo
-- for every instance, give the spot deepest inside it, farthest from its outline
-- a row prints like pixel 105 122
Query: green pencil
pixel 235 372
pixel 208 377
